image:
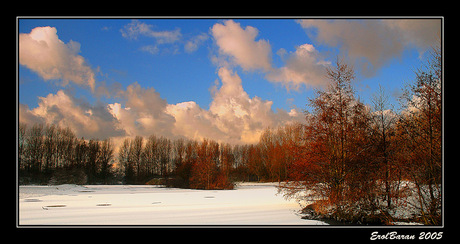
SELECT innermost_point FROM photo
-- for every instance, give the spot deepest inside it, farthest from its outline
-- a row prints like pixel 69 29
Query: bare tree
pixel 151 155
pixel 421 128
pixel 34 150
pixel 179 152
pixel 125 159
pixel 384 120
pixel 105 160
pixel 164 153
pixel 22 144
pixel 136 152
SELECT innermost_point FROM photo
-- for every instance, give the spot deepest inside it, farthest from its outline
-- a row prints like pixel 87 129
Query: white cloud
pixel 240 45
pixel 43 52
pixel 89 121
pixel 169 38
pixel 236 113
pixel 232 117
pixel 193 122
pixel 144 112
pixel 193 44
pixel 304 66
pixel 152 49
pixel 137 28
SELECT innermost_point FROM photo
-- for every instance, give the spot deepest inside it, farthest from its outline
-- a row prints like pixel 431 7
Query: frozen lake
pixel 248 204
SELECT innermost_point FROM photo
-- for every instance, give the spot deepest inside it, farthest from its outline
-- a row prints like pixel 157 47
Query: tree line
pixel 51 154
pixel 207 164
pixel 353 160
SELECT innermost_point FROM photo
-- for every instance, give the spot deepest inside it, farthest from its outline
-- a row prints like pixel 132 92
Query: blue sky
pixel 102 45
pixel 194 78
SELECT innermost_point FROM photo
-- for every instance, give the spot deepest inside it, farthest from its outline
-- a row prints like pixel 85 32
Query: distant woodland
pixel 352 158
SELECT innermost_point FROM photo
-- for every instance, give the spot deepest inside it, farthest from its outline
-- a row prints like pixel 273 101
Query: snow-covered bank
pixel 248 204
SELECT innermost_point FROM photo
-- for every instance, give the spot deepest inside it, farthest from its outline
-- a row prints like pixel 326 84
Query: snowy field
pixel 248 204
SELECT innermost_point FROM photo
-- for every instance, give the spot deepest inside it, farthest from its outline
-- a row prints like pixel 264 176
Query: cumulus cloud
pixel 89 121
pixel 43 52
pixel 239 115
pixel 246 117
pixel 304 66
pixel 372 43
pixel 240 45
pixel 232 117
pixel 143 113
pixel 196 123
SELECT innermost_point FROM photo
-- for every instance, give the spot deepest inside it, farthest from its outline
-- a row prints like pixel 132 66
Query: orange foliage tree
pixel 331 162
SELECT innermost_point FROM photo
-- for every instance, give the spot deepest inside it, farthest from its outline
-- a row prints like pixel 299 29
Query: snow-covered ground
pixel 248 204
